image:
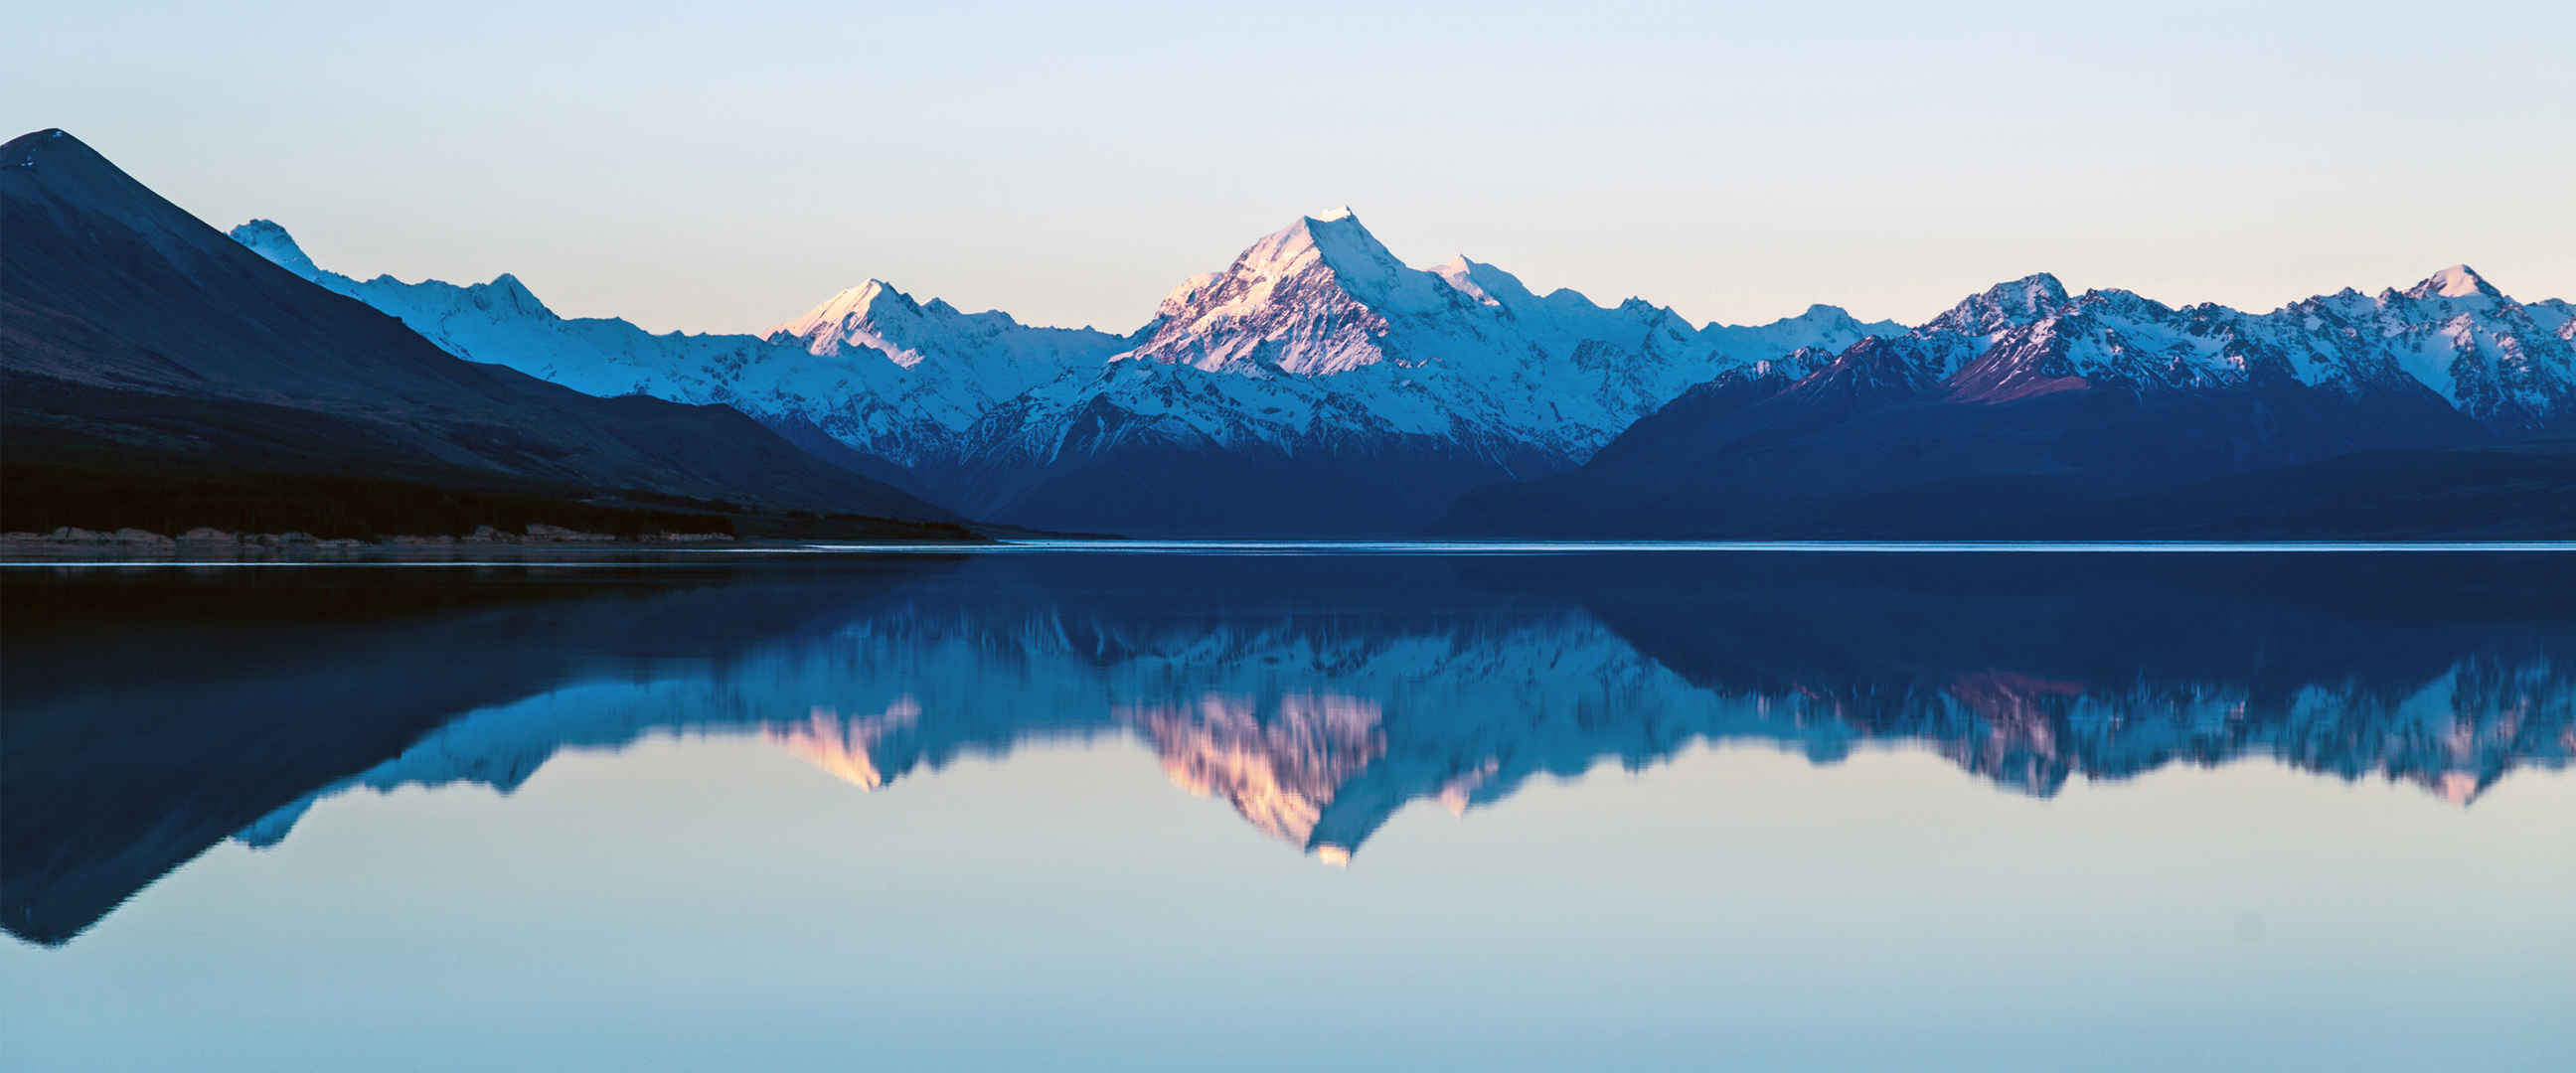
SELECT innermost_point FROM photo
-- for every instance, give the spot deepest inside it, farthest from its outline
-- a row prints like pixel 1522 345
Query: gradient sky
pixel 724 166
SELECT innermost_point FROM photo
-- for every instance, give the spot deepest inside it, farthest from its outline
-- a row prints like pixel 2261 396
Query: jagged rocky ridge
pixel 1319 385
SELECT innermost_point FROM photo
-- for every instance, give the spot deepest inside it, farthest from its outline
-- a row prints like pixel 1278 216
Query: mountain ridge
pixel 145 346
pixel 1314 355
pixel 1317 385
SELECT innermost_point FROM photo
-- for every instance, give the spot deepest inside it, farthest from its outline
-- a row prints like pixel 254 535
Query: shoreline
pixel 552 545
pixel 71 545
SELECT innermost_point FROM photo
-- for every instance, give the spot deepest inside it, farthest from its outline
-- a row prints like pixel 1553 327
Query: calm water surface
pixel 1257 809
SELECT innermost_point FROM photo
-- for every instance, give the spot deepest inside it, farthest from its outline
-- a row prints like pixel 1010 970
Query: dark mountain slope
pixel 1869 446
pixel 135 338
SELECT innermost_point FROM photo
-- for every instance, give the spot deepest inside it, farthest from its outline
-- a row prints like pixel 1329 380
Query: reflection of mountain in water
pixel 1317 727
pixel 1318 697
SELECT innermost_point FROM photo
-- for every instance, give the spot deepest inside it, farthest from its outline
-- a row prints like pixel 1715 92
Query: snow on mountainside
pixel 2507 365
pixel 1315 343
pixel 2110 338
pixel 1317 350
pixel 1821 327
pixel 1342 286
pixel 999 356
pixel 1463 353
pixel 2454 332
pixel 267 239
pixel 890 377
pixel 2553 315
pixel 2024 412
pixel 1390 350
pixel 1318 385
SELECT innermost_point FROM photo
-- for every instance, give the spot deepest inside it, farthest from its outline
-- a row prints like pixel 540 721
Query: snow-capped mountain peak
pixel 267 239
pixel 505 292
pixel 983 357
pixel 1312 298
pixel 2034 294
pixel 1485 283
pixel 2556 316
pixel 1832 320
pixel 2119 300
pixel 868 315
pixel 873 298
pixel 1340 243
pixel 2005 305
pixel 2457 281
pixel 1182 296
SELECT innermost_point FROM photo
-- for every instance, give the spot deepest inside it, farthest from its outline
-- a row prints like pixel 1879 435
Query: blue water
pixel 574 556
pixel 1623 547
pixel 1256 808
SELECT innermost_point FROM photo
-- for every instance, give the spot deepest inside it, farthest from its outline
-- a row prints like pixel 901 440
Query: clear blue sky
pixel 723 166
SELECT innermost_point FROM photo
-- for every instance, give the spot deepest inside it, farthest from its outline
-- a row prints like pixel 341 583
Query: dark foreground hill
pixel 155 373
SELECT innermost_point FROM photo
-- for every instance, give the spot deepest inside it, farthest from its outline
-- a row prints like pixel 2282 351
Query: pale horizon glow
pixel 725 169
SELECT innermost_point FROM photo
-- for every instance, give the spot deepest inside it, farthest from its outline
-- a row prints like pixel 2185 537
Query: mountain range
pixel 1317 385
pixel 2438 409
pixel 159 375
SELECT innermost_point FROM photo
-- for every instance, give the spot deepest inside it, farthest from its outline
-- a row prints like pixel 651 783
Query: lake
pixel 1272 806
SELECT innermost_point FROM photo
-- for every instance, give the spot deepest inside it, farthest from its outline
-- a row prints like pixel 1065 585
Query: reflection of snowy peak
pixel 1280 768
pixel 1318 730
